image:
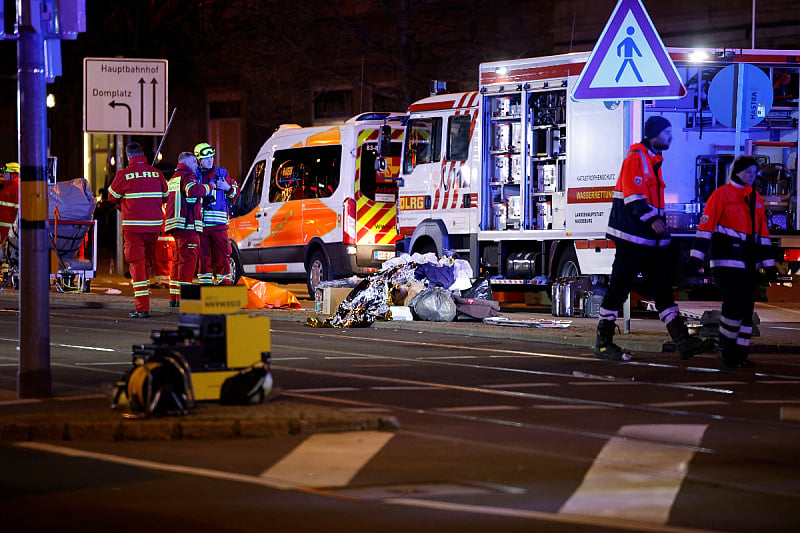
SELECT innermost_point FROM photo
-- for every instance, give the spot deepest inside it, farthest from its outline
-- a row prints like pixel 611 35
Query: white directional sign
pixel 629 61
pixel 124 96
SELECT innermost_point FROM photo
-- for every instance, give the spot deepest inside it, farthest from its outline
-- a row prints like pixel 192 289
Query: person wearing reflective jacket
pixel 638 227
pixel 140 191
pixel 733 234
pixel 184 221
pixel 215 247
pixel 9 198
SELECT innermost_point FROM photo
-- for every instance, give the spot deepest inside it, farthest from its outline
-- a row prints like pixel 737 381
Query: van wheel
pixel 568 264
pixel 236 265
pixel 318 271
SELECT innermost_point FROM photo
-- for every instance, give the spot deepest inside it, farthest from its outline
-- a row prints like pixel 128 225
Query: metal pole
pixel 33 379
pixel 753 28
pixel 119 158
pixel 164 137
pixel 627 140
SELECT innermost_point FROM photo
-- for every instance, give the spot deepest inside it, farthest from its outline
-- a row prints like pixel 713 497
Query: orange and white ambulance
pixel 317 204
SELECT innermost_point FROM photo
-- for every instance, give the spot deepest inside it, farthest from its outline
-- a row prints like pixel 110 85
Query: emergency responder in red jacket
pixel 215 248
pixel 638 227
pixel 9 199
pixel 184 222
pixel 733 233
pixel 140 190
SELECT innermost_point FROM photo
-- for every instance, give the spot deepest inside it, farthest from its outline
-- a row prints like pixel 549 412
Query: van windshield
pixel 380 186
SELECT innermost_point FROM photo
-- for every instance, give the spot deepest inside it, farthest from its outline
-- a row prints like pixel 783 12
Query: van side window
pixel 458 138
pixel 305 173
pixel 250 196
pixel 422 143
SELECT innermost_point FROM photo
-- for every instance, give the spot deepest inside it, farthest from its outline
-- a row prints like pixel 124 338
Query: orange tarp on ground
pixel 261 294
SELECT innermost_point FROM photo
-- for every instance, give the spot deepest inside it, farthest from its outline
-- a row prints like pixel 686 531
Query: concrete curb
pixel 57 420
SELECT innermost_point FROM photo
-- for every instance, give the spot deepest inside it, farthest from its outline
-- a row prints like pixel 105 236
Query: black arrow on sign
pixel 141 102
pixel 114 104
pixel 154 83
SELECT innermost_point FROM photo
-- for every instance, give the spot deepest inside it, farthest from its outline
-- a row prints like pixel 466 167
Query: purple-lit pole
pixel 33 379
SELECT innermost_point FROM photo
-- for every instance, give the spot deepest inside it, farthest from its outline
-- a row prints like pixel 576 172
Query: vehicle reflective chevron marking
pixel 376 221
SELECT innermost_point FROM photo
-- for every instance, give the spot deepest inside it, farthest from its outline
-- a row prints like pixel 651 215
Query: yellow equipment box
pixel 212 299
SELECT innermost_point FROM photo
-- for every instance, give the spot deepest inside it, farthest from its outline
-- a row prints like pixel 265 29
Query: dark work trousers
pixel 215 256
pixel 738 290
pixel 140 251
pixel 654 263
pixel 184 260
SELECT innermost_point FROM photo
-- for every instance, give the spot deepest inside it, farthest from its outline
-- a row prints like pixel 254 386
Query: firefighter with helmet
pixel 215 248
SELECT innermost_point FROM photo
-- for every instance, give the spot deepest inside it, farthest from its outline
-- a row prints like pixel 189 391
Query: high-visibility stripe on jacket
pixel 726 232
pixel 216 208
pixel 140 190
pixel 183 200
pixel 638 199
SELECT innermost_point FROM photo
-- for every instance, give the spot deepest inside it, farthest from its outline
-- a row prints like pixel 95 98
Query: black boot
pixel 604 347
pixel 734 355
pixel 687 345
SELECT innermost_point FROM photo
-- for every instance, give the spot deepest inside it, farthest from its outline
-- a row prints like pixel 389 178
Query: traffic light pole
pixel 34 379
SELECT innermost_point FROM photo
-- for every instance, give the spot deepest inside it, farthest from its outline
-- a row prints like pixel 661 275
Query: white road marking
pixel 409 502
pixel 520 385
pixel 633 479
pixel 408 387
pixel 570 406
pixel 593 521
pixel 328 460
pixel 686 404
pixel 446 357
pixel 325 389
pixel 477 408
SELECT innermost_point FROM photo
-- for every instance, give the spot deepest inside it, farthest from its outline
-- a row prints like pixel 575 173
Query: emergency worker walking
pixel 184 222
pixel 9 199
pixel 215 248
pixel 638 227
pixel 139 191
pixel 733 232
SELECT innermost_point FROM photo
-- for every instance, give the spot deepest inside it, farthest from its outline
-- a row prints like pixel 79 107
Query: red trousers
pixel 140 250
pixel 162 267
pixel 215 256
pixel 184 260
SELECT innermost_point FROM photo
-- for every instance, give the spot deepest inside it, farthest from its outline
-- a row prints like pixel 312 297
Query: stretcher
pixel 72 234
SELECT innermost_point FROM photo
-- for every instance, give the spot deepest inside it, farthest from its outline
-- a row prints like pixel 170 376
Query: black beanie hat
pixel 655 125
pixel 743 162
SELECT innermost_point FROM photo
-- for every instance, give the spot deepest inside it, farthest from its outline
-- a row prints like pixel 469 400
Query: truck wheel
pixel 568 264
pixel 236 265
pixel 318 271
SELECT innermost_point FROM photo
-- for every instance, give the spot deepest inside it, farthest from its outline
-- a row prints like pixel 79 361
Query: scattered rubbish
pixel 113 291
pixel 527 323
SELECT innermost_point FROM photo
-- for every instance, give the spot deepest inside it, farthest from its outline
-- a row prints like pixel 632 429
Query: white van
pixel 313 204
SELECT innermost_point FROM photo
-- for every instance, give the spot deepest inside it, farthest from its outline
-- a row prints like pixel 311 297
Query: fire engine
pixel 517 177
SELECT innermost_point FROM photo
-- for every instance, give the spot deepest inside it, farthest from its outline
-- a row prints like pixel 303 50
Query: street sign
pixel 629 61
pixel 740 94
pixel 124 96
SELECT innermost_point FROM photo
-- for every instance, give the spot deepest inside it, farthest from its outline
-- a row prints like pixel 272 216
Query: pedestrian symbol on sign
pixel 629 45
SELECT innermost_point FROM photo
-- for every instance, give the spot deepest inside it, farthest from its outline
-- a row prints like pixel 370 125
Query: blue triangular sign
pixel 629 61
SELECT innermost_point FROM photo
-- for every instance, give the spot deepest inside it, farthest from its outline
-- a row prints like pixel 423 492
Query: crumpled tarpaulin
pixel 261 294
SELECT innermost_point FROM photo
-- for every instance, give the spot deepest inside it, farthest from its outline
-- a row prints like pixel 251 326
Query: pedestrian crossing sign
pixel 629 61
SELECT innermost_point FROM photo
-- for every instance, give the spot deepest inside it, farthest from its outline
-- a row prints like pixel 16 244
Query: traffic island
pixel 281 417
